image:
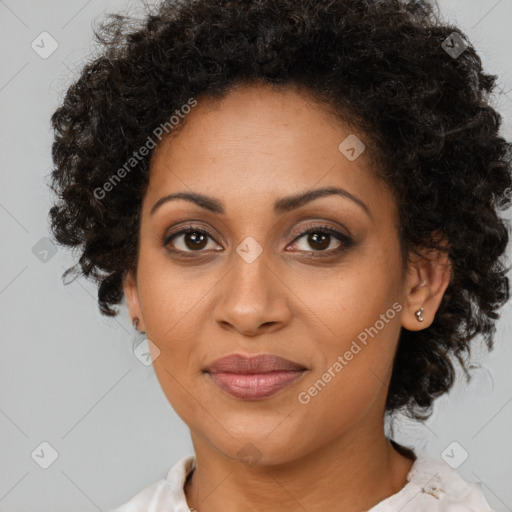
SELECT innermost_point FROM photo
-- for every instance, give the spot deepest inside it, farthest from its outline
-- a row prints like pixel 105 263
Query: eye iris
pixel 196 240
pixel 319 240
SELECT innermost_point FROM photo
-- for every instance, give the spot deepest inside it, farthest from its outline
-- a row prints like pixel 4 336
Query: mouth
pixel 254 386
pixel 253 377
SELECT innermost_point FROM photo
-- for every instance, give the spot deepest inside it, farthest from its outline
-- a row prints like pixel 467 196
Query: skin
pixel 247 150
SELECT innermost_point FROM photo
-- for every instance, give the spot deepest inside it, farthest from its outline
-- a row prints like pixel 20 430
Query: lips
pixel 261 363
pixel 253 377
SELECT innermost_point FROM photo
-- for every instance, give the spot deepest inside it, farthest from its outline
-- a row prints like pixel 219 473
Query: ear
pixel 132 299
pixel 428 276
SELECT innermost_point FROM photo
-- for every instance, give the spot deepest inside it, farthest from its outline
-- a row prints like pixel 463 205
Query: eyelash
pixel 346 242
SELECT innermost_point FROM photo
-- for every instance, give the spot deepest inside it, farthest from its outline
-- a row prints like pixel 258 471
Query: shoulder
pixel 166 494
pixel 433 486
pixel 142 499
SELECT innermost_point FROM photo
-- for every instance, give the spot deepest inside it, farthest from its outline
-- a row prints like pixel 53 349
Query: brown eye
pixel 189 240
pixel 322 239
pixel 319 241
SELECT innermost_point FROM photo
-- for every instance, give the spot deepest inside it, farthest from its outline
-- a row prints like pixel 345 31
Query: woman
pixel 299 202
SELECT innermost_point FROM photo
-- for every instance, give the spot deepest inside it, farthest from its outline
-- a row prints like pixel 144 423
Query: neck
pixel 351 473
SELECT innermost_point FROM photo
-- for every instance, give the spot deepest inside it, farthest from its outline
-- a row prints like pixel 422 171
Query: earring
pixel 418 315
pixel 135 324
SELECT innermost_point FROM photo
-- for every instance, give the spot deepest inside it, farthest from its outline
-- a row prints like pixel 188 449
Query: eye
pixel 321 237
pixel 190 239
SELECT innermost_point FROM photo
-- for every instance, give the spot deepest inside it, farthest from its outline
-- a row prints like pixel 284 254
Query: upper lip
pixel 260 363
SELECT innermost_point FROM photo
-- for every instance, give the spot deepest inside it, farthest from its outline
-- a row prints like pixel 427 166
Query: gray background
pixel 68 376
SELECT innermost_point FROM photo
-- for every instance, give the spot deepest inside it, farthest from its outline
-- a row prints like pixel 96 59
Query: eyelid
pixel 322 226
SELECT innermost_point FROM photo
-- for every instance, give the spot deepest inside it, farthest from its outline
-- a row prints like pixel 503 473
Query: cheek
pixel 353 379
pixel 169 296
pixel 169 304
pixel 335 401
pixel 347 300
pixel 360 322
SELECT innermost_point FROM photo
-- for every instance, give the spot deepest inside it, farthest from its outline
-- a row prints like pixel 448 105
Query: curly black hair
pixel 411 83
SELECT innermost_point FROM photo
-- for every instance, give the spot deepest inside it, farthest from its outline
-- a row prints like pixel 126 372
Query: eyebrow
pixel 282 205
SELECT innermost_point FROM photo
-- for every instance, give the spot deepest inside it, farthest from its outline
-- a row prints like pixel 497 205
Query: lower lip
pixel 254 386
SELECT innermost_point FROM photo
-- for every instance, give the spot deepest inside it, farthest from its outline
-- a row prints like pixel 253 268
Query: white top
pixel 432 486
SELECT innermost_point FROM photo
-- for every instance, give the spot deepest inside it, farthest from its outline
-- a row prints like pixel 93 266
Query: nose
pixel 252 298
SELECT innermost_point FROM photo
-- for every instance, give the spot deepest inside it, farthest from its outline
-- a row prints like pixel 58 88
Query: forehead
pixel 258 144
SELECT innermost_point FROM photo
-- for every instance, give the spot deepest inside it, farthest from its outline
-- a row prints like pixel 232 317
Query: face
pixel 244 278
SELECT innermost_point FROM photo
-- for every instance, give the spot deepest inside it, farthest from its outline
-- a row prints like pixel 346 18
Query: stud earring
pixel 418 315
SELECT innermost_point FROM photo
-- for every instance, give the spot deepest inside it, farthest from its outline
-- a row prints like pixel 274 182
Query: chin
pixel 261 450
